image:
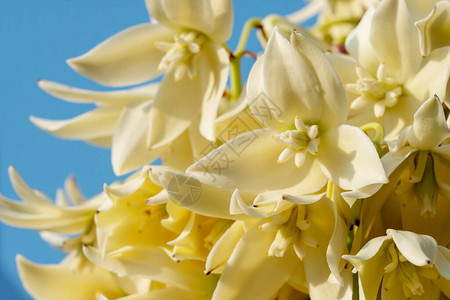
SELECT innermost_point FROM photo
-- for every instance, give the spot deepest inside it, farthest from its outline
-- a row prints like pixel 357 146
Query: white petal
pixel 198 197
pixel 433 30
pixel 419 249
pixel 432 78
pixel 98 123
pixel 222 250
pixel 443 262
pixel 219 63
pixel 245 162
pixel 188 96
pixel 119 97
pixel 281 96
pixel 52 282
pixel 395 39
pixel 193 14
pixel 359 46
pixel 154 264
pixel 430 127
pixel 349 159
pixel 129 150
pixel 367 252
pixel 129 57
pixel 249 271
pixel 334 109
pixel 223 14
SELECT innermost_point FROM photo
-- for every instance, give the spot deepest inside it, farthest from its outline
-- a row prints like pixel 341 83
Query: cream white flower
pixel 417 197
pixel 406 266
pixel 391 78
pixel 186 43
pixel 305 111
pixel 70 214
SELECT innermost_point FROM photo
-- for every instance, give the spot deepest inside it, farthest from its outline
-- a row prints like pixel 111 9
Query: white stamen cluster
pixel 381 92
pixel 181 54
pixel 299 142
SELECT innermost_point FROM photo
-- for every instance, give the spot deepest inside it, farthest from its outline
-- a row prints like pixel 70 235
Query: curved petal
pixel 52 282
pixel 247 274
pixel 400 116
pixel 430 127
pixel 153 264
pixel 95 124
pixel 395 39
pixel 433 30
pixel 392 160
pixel 421 250
pixel 443 262
pixel 345 67
pixel 220 61
pixel 334 109
pixel 359 45
pixel 432 78
pixel 223 15
pixel 129 57
pixel 198 197
pixel 249 163
pixel 284 86
pixel 222 250
pixel 349 159
pixel 119 97
pixel 193 14
pixel 129 150
pixel 187 96
pixel 369 262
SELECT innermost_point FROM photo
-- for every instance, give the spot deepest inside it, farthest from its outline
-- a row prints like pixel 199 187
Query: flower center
pixel 425 184
pixel 298 142
pixel 381 92
pixel 181 54
pixel 406 272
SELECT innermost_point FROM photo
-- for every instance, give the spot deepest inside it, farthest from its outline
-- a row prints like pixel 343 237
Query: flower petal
pixel 443 262
pixel 245 162
pixel 223 15
pixel 129 150
pixel 430 127
pixel 129 57
pixel 419 249
pixel 395 39
pixel 193 14
pixel 198 197
pixel 222 250
pixel 286 88
pixel 349 159
pixel 153 264
pixel 119 97
pixel 246 274
pixel 334 109
pixel 432 78
pixel 99 123
pixel 52 282
pixel 359 45
pixel 219 63
pixel 188 96
pixel 433 29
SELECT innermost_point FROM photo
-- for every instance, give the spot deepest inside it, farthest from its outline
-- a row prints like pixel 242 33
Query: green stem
pixel 236 56
pixel 245 34
pixel 235 78
pixel 355 294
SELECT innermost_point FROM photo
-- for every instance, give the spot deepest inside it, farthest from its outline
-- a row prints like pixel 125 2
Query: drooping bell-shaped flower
pixel 402 265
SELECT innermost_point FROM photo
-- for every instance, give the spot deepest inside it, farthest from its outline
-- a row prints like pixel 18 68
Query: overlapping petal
pixel 129 57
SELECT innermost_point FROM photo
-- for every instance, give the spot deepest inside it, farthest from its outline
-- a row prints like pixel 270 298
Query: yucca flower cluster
pixel 323 175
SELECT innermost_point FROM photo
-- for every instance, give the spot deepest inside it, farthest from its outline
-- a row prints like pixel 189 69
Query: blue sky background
pixel 36 39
